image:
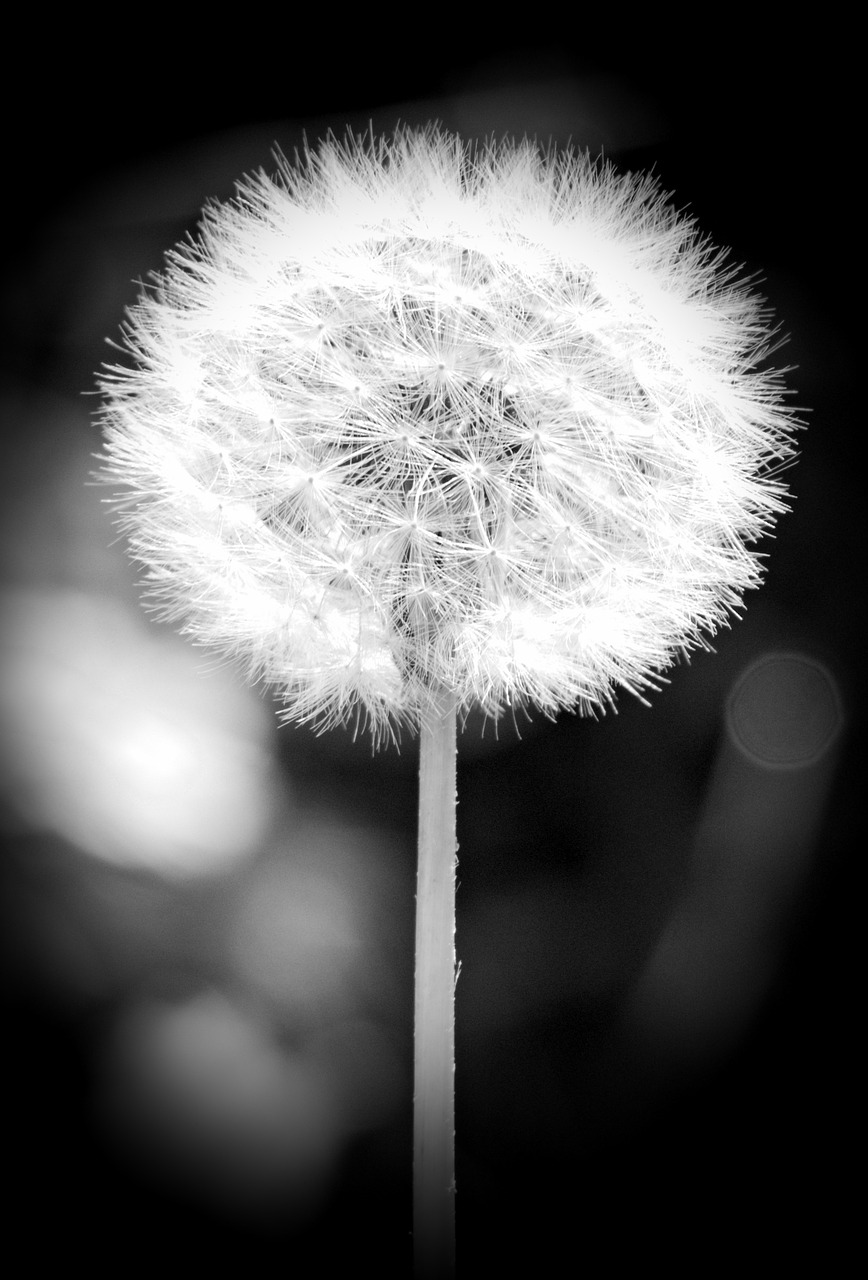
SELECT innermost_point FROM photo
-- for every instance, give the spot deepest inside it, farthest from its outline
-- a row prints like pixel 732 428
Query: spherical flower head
pixel 412 421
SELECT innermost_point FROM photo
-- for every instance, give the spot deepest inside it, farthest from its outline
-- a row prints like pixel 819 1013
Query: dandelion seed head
pixel 409 416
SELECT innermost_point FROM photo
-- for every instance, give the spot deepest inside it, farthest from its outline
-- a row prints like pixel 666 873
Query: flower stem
pixel 434 1082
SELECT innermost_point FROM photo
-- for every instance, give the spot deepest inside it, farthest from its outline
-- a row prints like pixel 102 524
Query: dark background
pixel 710 1119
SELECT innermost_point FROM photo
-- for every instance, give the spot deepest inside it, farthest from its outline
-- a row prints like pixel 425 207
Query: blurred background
pixel 207 920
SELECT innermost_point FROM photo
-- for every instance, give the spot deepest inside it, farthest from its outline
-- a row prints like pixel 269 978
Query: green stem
pixel 434 1082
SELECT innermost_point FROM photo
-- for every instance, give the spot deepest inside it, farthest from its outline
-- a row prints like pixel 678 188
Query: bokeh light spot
pixel 785 711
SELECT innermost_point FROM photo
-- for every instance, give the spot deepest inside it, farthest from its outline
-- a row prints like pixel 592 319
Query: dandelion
pixel 413 428
pixel 410 418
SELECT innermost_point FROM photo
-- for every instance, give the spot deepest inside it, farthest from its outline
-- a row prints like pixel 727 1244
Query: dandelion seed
pixel 390 350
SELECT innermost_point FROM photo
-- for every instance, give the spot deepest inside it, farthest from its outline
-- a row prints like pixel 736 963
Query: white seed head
pixel 412 417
